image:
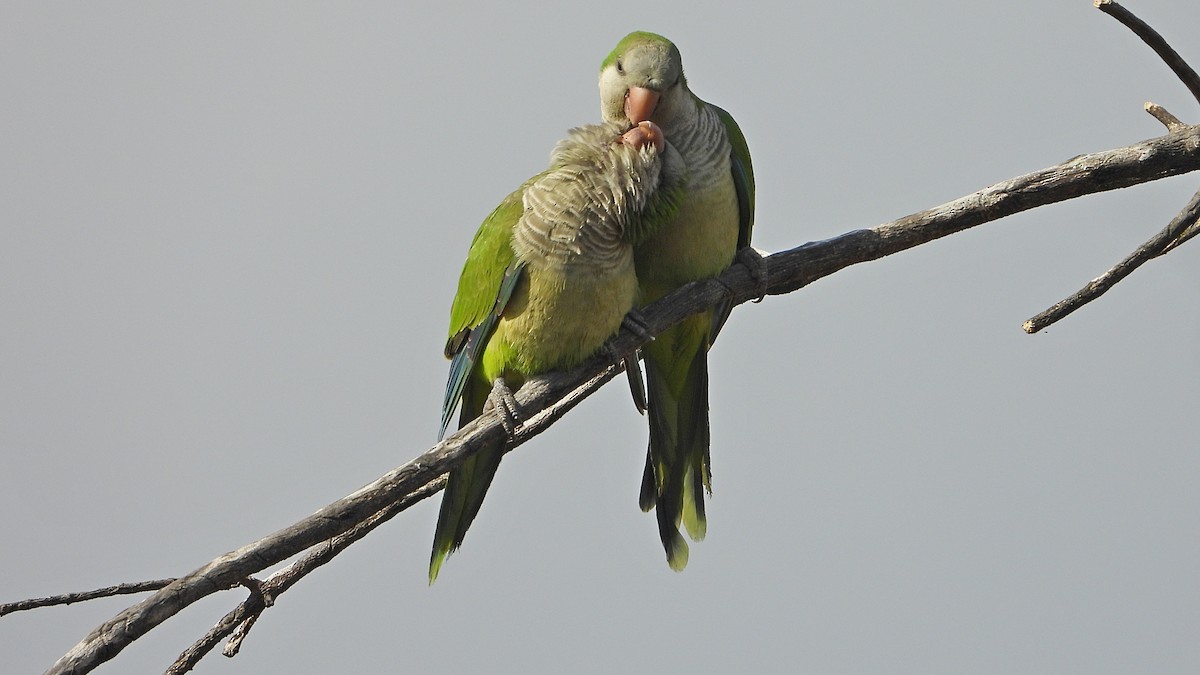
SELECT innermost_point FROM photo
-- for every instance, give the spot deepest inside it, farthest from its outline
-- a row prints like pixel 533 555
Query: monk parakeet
pixel 548 279
pixel 642 79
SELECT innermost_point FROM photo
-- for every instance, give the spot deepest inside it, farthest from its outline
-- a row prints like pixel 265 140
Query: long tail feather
pixel 693 416
pixel 465 488
pixel 677 468
pixel 673 542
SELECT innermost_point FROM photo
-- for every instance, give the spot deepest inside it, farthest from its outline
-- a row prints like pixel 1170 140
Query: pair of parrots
pixel 660 194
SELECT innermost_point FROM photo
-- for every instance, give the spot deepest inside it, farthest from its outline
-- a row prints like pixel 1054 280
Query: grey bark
pixel 548 397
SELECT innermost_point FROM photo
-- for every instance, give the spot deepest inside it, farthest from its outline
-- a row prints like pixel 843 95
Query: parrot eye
pixel 620 67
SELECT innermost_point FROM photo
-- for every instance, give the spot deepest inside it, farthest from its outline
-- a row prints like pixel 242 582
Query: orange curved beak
pixel 640 103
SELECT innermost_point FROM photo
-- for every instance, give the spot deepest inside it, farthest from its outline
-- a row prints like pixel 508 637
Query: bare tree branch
pixel 1170 155
pixel 1181 228
pixel 241 618
pixel 1156 42
pixel 346 521
pixel 1162 242
pixel 68 598
pixel 1161 114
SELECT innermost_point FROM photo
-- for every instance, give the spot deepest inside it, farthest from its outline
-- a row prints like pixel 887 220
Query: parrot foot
pixel 757 266
pixel 635 323
pixel 505 404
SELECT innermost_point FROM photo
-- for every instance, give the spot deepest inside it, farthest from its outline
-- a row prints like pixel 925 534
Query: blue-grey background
pixel 229 237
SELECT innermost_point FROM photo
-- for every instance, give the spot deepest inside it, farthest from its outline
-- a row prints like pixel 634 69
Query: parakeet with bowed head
pixel 548 279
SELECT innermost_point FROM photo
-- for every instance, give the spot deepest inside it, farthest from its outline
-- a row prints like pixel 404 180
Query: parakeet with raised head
pixel 548 279
pixel 642 79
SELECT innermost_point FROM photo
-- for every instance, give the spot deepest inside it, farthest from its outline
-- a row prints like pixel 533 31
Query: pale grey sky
pixel 231 233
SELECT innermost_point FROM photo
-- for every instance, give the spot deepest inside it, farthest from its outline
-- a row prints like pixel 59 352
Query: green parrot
pixel 642 79
pixel 548 279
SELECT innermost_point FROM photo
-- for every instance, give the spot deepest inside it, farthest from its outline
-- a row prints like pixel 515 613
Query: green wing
pixel 484 288
pixel 743 183
pixel 488 279
pixel 743 176
pixel 491 253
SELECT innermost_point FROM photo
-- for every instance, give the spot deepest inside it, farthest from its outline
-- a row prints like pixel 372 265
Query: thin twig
pixel 68 598
pixel 251 606
pixel 284 579
pixel 239 621
pixel 1163 115
pixel 1153 248
pixel 787 271
pixel 1181 228
pixel 1156 42
pixel 239 635
pixel 357 514
pixel 1188 232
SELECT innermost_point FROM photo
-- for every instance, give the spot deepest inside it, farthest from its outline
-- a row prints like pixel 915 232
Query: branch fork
pixel 1181 228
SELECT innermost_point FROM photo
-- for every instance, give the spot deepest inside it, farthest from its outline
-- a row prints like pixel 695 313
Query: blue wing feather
pixel 463 361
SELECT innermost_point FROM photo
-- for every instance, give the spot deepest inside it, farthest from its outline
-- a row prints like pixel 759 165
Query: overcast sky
pixel 229 238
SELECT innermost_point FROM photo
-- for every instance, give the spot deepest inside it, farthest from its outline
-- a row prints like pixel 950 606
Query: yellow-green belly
pixel 557 319
pixel 699 243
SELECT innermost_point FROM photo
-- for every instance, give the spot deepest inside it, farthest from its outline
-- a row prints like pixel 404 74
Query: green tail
pixel 677 462
pixel 465 487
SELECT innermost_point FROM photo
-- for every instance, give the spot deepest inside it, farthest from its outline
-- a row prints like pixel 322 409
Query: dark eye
pixel 620 67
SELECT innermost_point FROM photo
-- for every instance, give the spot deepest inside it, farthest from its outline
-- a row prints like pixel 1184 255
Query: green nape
pixel 631 39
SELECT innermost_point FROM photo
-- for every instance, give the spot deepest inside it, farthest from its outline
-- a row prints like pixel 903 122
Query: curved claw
pixel 634 322
pixel 501 399
pixel 757 266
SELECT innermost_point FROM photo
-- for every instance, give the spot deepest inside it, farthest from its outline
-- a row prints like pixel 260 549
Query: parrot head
pixel 642 80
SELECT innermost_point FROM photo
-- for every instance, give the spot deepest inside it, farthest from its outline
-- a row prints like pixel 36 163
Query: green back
pixel 743 175
pixel 743 183
pixel 487 282
pixel 491 253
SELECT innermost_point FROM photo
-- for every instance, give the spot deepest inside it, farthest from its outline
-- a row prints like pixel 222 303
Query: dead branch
pixel 1161 114
pixel 239 621
pixel 339 524
pixel 1181 228
pixel 68 598
pixel 1156 42
pixel 1159 244
pixel 549 397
